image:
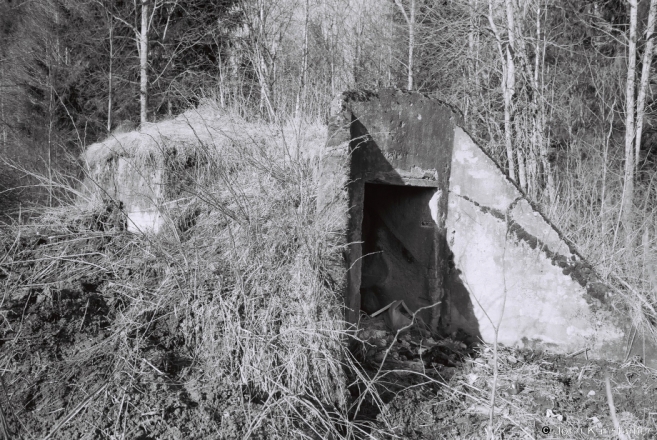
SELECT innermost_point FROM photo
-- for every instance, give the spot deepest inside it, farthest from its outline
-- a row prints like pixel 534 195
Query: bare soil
pixel 442 388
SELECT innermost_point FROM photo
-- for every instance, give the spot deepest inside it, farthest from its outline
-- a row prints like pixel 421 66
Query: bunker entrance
pixel 399 248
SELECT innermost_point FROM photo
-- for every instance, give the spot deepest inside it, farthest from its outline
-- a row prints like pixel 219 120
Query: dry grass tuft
pixel 587 210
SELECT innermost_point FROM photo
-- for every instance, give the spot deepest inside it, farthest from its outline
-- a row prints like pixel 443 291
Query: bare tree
pixel 635 108
pixel 110 79
pixel 645 77
pixel 508 81
pixel 410 21
pixel 304 64
pixel 143 64
pixel 3 86
pixel 628 175
pixel 267 23
pixel 146 11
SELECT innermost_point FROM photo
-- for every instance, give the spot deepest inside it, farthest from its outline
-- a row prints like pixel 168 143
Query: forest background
pixel 559 92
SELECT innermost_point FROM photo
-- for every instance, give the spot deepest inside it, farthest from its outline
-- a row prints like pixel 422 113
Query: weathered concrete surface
pixel 140 188
pixel 337 192
pixel 520 274
pixel 491 259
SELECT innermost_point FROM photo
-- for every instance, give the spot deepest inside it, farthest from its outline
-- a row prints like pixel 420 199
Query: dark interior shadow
pixel 396 239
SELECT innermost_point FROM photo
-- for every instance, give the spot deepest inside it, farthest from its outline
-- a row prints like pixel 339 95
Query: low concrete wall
pixel 139 187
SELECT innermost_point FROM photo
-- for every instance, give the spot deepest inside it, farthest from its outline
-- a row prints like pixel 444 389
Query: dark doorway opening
pixel 399 259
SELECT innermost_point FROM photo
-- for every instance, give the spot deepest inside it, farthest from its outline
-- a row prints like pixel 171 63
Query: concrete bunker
pixel 421 213
pixel 398 174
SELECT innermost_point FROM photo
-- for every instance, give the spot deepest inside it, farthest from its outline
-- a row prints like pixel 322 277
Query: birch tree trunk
pixel 304 66
pixel 3 121
pixel 628 175
pixel 357 55
pixel 540 127
pixel 509 93
pixel 411 44
pixel 508 88
pixel 51 117
pixel 143 64
pixel 473 48
pixel 645 77
pixel 109 76
pixel 410 21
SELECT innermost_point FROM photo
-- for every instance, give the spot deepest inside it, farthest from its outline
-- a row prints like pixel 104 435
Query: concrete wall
pixel 140 188
pixel 519 273
pixel 496 263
